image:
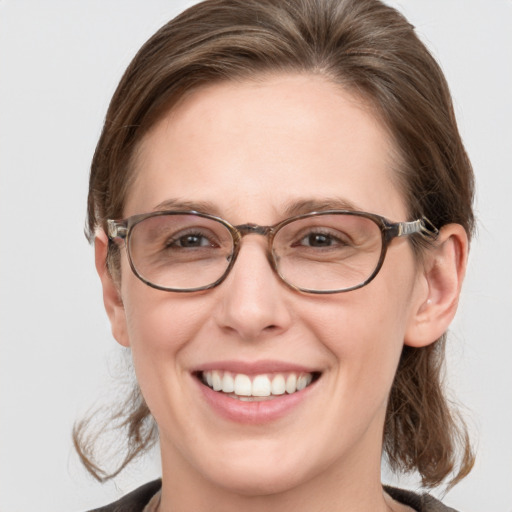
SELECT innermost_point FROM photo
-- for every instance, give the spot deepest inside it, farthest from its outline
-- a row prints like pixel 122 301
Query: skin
pixel 252 149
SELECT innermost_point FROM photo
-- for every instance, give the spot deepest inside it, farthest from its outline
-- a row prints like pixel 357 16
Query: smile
pixel 256 387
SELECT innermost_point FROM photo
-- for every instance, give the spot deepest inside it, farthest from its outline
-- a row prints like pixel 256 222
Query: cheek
pixel 159 326
pixel 159 322
pixel 364 331
pixel 371 319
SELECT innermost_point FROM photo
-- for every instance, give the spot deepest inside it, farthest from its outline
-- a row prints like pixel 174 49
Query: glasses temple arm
pixel 422 226
pixel 116 229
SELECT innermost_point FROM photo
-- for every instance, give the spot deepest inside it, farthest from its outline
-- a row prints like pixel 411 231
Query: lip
pixel 255 367
pixel 254 412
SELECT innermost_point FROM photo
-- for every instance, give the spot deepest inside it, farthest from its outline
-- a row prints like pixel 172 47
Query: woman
pixel 281 208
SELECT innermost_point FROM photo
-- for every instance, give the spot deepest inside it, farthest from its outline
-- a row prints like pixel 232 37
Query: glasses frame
pixel 119 233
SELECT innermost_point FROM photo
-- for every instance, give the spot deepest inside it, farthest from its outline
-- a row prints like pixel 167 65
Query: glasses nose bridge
pixel 242 230
pixel 253 229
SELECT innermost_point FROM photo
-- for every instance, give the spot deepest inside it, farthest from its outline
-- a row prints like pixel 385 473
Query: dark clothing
pixel 419 502
pixel 138 499
pixel 134 501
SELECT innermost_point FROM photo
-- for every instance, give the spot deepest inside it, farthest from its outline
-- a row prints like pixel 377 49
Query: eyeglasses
pixel 320 252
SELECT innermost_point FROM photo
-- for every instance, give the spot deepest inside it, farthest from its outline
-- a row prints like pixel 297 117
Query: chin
pixel 262 482
pixel 261 470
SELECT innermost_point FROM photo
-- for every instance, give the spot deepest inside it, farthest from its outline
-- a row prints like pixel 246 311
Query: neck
pixel 351 486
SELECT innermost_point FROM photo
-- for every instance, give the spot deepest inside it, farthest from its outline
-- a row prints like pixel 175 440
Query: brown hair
pixel 367 48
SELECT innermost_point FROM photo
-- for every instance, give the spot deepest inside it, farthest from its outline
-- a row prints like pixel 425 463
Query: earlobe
pixel 111 292
pixel 444 268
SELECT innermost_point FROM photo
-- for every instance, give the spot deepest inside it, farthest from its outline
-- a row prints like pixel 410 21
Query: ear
pixel 443 271
pixel 111 292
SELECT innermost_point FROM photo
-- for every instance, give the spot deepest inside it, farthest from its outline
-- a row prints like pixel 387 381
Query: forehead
pixel 252 148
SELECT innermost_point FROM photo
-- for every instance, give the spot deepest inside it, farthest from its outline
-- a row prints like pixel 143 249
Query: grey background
pixel 60 61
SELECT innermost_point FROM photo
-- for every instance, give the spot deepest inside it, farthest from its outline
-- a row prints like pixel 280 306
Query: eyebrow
pixel 300 206
pixel 291 208
pixel 197 206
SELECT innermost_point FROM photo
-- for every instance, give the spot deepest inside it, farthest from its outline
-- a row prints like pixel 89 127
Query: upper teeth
pixel 257 385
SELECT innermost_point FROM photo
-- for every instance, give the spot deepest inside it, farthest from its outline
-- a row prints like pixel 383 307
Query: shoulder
pixel 134 501
pixel 420 502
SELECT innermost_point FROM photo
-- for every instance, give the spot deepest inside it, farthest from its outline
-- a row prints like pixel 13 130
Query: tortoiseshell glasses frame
pixel 321 252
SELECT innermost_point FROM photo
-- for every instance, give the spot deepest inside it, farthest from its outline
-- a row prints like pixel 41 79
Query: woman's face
pixel 251 152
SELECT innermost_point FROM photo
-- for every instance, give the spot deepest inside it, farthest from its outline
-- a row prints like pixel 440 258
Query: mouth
pixel 259 387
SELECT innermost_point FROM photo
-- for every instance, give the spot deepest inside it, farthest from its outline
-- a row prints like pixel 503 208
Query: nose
pixel 253 302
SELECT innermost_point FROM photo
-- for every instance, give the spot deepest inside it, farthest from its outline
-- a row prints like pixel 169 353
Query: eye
pixel 318 240
pixel 190 241
pixel 321 239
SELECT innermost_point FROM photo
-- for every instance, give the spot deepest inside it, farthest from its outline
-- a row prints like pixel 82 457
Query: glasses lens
pixel 180 252
pixel 331 252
